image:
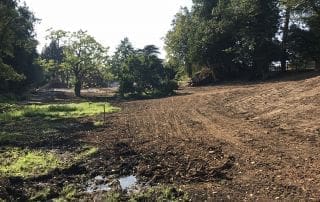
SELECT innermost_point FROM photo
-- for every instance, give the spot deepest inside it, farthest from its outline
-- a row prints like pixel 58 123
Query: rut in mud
pixel 226 142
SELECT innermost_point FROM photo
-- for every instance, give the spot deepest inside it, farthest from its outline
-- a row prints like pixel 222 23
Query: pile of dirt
pixel 203 77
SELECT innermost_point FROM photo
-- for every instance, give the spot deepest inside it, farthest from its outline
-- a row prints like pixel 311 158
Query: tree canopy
pixel 17 47
pixel 75 56
pixel 243 37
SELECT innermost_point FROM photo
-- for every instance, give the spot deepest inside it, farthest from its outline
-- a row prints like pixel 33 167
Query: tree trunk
pixel 189 69
pixel 318 65
pixel 77 88
pixel 285 40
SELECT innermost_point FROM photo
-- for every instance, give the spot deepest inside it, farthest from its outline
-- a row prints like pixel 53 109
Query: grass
pixel 41 195
pixel 159 193
pixel 58 111
pixel 89 151
pixel 27 163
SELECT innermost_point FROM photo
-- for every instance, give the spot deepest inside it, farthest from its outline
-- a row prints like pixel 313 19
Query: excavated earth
pixel 226 142
pixel 236 141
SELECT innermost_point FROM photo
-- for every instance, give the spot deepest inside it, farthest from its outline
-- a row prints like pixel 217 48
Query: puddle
pixel 102 184
pixel 97 184
pixel 127 182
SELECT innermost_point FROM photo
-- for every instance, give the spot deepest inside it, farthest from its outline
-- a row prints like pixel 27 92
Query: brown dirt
pixel 236 141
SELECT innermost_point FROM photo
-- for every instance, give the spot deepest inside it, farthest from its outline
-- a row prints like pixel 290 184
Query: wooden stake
pixel 104 114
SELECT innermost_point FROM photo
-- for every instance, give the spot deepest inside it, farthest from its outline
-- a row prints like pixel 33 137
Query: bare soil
pixel 227 142
pixel 236 141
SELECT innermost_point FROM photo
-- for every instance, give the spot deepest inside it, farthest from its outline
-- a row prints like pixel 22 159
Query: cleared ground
pixel 256 141
pixel 226 142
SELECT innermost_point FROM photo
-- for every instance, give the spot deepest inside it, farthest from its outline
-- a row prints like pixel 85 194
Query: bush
pixel 126 86
pixel 169 87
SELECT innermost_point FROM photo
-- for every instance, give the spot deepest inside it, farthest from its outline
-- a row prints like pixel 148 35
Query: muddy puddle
pixel 105 184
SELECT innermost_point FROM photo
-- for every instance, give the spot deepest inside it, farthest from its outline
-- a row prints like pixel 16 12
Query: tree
pixel 228 37
pixel 83 57
pixel 17 46
pixel 82 54
pixel 120 57
pixel 141 71
pixel 177 40
pixel 53 57
pixel 303 39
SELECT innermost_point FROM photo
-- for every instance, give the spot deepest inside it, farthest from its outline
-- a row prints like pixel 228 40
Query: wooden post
pixel 104 114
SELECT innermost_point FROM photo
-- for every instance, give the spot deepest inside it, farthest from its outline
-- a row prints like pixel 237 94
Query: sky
pixel 144 22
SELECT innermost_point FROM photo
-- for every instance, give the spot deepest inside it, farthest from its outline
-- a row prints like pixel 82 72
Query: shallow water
pixel 127 182
pixel 98 184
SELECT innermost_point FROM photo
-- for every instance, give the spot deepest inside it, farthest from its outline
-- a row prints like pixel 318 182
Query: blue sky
pixel 143 21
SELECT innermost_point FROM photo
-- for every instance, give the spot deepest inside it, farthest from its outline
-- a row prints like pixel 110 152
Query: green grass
pixel 27 163
pixel 58 111
pixel 89 151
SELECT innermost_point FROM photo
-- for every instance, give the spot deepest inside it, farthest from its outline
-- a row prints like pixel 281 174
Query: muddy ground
pixel 226 142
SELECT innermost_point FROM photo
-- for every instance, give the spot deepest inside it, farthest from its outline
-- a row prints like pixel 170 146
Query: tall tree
pixel 82 54
pixel 121 55
pixel 17 46
pixel 177 40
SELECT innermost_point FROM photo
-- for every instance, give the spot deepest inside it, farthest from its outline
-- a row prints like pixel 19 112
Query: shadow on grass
pixel 49 126
pixel 35 132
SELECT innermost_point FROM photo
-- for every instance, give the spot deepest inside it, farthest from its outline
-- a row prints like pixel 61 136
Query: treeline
pixel 73 59
pixel 77 59
pixel 245 38
pixel 231 39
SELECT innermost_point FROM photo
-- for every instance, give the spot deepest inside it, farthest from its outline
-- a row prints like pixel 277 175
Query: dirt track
pixel 225 142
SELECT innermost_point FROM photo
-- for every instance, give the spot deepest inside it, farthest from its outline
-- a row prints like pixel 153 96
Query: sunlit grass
pixel 27 163
pixel 58 111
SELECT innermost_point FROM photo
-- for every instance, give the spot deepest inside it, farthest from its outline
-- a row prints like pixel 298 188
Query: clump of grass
pixel 98 123
pixel 41 195
pixel 89 151
pixel 58 111
pixel 26 163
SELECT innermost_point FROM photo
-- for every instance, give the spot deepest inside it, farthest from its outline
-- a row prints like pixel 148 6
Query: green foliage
pixel 76 57
pixel 239 38
pixel 17 47
pixel 141 72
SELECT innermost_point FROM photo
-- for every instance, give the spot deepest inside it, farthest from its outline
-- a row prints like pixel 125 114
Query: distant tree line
pixel 231 39
pixel 245 38
pixel 77 59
